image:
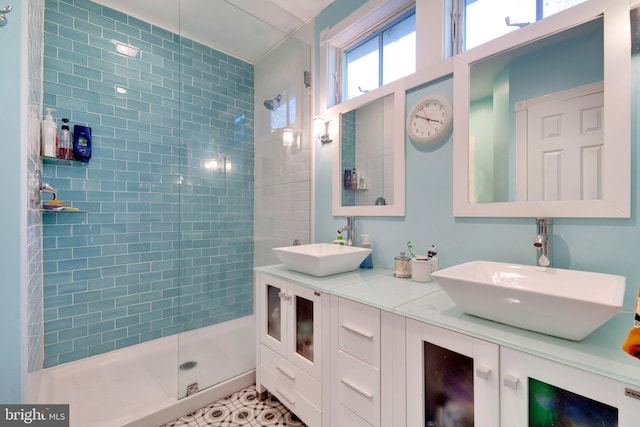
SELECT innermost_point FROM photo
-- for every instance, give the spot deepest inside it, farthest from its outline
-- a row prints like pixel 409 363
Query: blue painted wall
pixel 601 245
pixel 165 245
pixel 13 75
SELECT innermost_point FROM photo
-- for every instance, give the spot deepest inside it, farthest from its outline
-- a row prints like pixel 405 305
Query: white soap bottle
pixel 49 131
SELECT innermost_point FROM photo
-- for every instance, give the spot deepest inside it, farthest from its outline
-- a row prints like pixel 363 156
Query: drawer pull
pixel 356 388
pixel 288 398
pixel 286 372
pixel 511 382
pixel 357 331
pixel 483 372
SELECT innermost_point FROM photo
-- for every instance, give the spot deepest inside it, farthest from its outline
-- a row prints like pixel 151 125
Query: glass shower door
pixel 213 304
pixel 218 150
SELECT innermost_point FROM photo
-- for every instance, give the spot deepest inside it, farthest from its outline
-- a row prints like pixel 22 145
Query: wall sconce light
pixel 126 49
pixel 321 129
pixel 212 164
pixel 220 164
pixel 287 137
pixel 291 139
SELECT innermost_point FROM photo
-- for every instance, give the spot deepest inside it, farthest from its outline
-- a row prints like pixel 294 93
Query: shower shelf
pixel 62 211
pixel 61 162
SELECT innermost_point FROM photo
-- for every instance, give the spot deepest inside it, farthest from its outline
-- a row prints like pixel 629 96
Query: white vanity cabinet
pixel 456 379
pixel 452 378
pixel 289 353
pixel 355 367
pixel 367 365
pixel 537 392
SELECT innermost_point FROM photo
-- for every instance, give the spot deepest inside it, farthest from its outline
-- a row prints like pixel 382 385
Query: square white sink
pixel 321 259
pixel 564 303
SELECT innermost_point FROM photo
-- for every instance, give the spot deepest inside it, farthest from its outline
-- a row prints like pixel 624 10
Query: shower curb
pixel 196 401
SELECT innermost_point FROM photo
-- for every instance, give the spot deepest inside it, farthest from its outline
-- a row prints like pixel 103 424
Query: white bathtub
pixel 139 385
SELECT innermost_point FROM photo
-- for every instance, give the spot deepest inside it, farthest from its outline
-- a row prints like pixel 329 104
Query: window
pixel 283 114
pixel 386 54
pixel 485 20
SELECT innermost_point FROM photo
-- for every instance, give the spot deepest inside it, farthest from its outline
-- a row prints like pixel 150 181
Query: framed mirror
pixel 542 119
pixel 368 154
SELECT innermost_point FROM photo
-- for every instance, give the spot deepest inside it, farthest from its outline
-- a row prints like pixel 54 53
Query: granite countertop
pixel 599 352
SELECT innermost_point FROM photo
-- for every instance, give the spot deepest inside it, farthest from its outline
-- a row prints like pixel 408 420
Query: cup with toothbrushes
pixel 421 266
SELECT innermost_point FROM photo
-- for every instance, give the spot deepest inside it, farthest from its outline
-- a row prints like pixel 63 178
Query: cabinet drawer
pixel 291 398
pixel 291 376
pixel 345 417
pixel 359 331
pixel 358 387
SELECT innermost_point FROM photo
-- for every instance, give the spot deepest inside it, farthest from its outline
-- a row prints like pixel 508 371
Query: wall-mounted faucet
pixel 349 228
pixel 542 242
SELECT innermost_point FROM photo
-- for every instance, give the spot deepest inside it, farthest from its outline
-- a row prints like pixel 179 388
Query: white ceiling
pixel 246 29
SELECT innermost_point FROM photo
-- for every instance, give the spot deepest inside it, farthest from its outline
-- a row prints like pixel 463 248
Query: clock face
pixel 430 119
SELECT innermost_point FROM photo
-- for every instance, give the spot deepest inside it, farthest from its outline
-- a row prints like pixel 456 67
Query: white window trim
pixel 333 40
pixel 432 19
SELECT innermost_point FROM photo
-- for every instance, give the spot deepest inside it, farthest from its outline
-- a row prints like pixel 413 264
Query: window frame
pixel 334 39
pixel 376 32
pixel 459 24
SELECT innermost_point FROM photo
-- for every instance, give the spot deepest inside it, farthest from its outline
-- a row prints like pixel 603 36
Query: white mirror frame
pixel 616 163
pixel 396 89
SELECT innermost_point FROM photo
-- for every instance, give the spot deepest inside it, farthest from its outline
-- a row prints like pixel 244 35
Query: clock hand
pixel 428 119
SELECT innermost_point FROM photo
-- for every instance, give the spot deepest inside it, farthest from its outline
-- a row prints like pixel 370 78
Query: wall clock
pixel 430 119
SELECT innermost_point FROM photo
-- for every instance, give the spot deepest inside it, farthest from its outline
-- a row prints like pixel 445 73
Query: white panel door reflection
pixel 564 143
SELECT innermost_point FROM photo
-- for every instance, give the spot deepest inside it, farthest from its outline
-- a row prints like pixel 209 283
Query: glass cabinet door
pixel 304 327
pixel 274 313
pixel 548 393
pixel 452 378
pixel 272 298
pixel 448 387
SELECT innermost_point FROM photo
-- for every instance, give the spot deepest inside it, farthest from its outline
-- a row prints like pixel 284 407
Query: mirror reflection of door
pixel 562 143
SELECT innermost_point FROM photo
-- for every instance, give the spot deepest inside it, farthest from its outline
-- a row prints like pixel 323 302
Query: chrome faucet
pixel 541 242
pixel 48 188
pixel 349 228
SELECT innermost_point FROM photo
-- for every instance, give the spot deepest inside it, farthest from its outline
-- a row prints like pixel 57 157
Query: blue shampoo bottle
pixel 82 143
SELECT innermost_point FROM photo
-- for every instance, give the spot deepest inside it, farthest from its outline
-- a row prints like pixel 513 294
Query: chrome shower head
pixel 270 104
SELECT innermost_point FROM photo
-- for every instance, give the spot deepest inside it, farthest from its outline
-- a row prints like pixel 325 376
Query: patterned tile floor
pixel 239 410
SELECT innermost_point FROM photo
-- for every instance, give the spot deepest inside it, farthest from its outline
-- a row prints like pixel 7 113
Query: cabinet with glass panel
pixel 457 379
pixel 289 361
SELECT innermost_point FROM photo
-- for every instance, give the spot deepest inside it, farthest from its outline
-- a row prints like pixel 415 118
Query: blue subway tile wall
pixel 164 242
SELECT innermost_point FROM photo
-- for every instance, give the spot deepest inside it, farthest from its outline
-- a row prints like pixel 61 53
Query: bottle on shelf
pixel 82 143
pixel 65 147
pixel 49 136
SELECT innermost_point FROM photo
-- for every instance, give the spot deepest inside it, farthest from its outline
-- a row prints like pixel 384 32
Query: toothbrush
pixel 410 246
pixel 432 252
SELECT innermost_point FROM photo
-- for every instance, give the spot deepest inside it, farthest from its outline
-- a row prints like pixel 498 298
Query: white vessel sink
pixel 321 259
pixel 564 303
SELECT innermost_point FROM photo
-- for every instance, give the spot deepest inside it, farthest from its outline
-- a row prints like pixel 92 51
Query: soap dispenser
pixel 49 130
pixel 368 261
